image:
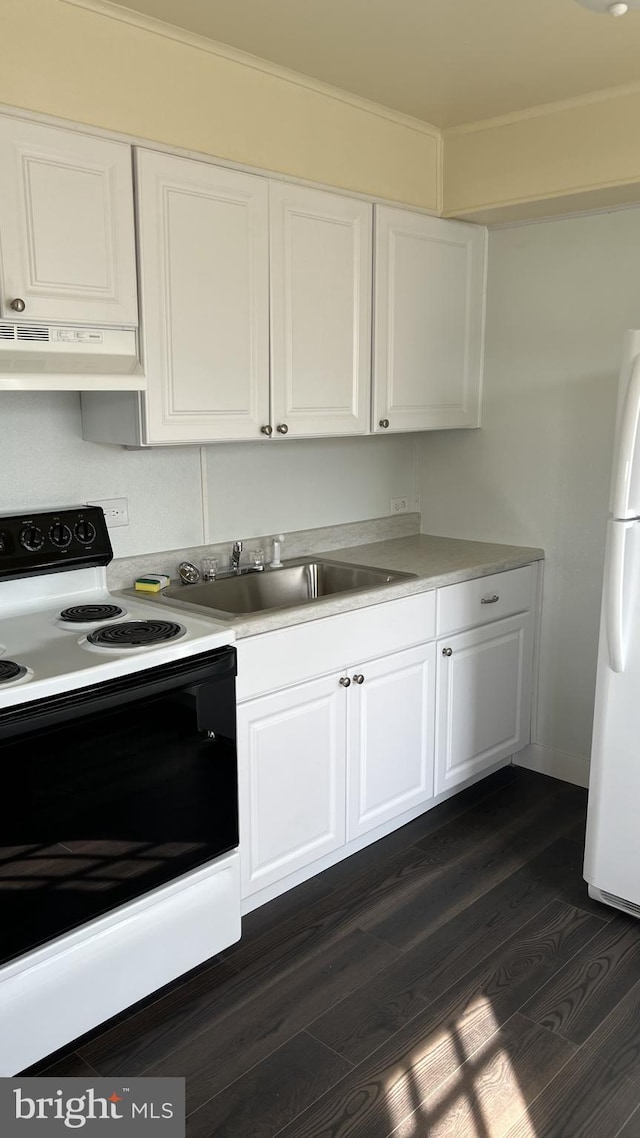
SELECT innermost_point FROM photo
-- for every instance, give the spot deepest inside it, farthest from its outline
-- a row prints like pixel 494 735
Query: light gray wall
pixel 44 461
pixel 267 488
pixel 560 295
pixel 249 488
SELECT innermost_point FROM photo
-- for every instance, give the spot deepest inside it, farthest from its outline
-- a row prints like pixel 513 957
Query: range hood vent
pixel 73 349
pixel 27 332
pixel 32 332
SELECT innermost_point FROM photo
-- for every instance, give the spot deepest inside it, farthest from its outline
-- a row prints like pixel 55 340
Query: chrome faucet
pixel 235 556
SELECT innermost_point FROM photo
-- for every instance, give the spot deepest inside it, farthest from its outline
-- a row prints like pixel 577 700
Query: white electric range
pixel 118 856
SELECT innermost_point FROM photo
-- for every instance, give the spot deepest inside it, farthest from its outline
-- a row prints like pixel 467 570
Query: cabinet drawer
pixel 485 599
pixel 289 656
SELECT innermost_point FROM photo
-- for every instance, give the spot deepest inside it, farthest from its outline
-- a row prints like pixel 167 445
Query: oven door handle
pixel 190 672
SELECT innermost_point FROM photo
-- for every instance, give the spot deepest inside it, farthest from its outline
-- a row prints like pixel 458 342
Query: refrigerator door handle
pixel 627 443
pixel 614 596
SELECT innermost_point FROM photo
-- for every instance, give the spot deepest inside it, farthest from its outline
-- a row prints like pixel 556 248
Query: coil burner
pixel 135 634
pixel 90 614
pixel 10 671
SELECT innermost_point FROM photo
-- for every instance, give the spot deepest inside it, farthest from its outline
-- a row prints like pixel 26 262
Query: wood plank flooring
pixel 454 980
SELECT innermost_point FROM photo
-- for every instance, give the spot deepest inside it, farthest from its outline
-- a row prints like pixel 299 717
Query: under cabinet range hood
pixel 45 349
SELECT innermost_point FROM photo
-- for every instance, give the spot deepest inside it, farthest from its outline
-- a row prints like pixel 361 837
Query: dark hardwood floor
pixel 454 979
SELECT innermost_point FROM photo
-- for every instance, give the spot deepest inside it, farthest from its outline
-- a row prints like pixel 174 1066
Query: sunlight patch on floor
pixel 461 1081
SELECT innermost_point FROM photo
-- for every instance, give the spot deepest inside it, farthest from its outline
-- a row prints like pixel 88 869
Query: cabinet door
pixel 66 226
pixel 428 321
pixel 291 762
pixel 204 247
pixel 484 698
pixel 321 312
pixel 391 735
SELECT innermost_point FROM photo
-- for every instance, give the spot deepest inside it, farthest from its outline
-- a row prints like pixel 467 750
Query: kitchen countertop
pixel 436 561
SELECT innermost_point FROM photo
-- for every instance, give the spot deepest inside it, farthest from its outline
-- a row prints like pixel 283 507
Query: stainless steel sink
pixel 297 583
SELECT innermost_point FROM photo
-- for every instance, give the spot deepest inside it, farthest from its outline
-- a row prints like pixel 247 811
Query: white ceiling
pixel 444 61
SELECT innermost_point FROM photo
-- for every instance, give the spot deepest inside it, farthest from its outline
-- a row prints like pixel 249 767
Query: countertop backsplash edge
pixel 123 571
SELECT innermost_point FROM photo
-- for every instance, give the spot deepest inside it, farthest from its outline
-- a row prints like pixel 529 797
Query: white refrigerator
pixel 612 855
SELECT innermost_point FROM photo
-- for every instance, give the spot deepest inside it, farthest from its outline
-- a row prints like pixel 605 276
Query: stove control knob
pixel 85 532
pixel 31 538
pixel 60 535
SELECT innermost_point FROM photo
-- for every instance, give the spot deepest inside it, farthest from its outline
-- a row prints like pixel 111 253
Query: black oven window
pixel 102 809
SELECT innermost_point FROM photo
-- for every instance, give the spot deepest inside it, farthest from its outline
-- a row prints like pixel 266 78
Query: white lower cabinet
pixel 391 738
pixel 484 698
pixel 330 762
pixel 292 748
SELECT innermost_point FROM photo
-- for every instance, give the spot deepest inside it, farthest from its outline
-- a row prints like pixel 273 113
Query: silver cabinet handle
pixel 268 430
pixel 490 600
pixel 358 678
pixel 345 681
pixel 282 429
pixel 18 305
pixel 384 423
pixel 447 651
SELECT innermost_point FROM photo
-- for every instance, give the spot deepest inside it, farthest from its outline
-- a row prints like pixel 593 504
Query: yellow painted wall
pixel 80 65
pixel 84 66
pixel 590 147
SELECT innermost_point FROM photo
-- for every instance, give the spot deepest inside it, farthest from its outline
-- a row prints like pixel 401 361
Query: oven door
pixel 115 791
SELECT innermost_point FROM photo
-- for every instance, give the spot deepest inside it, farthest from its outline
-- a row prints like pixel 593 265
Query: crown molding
pixel 578 214
pixel 202 43
pixel 589 198
pixel 543 110
pixel 440 174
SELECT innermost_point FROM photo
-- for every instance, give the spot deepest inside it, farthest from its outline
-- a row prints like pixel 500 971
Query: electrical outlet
pixel 116 511
pixel 399 506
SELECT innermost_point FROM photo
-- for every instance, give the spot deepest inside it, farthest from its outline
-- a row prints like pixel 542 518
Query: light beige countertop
pixel 391 543
pixel 436 561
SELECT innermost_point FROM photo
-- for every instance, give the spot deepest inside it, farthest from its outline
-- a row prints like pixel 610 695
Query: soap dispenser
pixel 275 562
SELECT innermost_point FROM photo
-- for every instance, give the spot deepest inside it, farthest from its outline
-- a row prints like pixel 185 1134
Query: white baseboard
pixel 558 764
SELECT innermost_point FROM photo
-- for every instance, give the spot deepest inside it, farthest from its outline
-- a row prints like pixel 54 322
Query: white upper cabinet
pixel 204 267
pixel 66 227
pixel 320 312
pixel 206 293
pixel 429 302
